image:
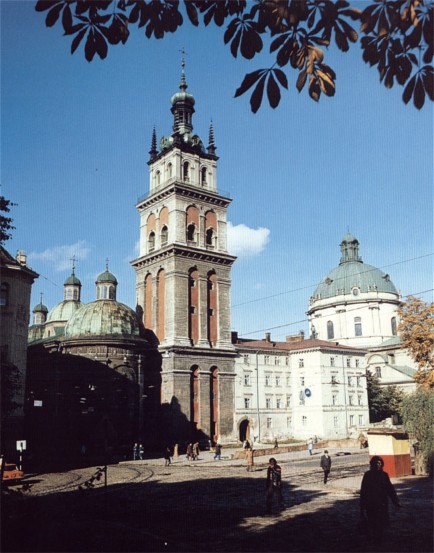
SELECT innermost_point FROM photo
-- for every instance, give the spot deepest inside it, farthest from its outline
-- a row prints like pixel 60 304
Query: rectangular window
pixel 357 362
pixel 335 399
pixel 359 381
pixel 350 381
pixel 277 360
pixel 246 359
pixel 335 422
pixel 269 422
pixel 278 403
pixel 351 420
pixel 361 421
pixel 301 363
pixel 287 360
pixel 378 372
pixel 332 361
pixel 288 401
pixel 350 400
pixel 267 379
pixel 246 379
pixel 268 403
pixel 267 359
pixel 277 380
pixel 246 402
pixel 301 380
pixel 348 361
pixel 359 400
pixel 304 420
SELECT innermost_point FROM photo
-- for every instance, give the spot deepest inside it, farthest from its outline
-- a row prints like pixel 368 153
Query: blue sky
pixel 75 142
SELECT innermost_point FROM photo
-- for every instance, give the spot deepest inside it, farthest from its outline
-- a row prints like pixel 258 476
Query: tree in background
pixel 416 330
pixel 397 37
pixel 5 222
pixel 417 410
pixel 383 401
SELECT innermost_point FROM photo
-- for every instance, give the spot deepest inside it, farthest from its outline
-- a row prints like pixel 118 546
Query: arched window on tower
pixel 203 176
pixel 68 294
pixel 193 303
pixel 158 178
pixel 191 233
pixel 393 325
pixel 330 330
pixel 4 294
pixel 169 170
pixel 357 326
pixel 38 319
pixel 186 174
pixel 209 236
pixel 164 235
pixel 151 241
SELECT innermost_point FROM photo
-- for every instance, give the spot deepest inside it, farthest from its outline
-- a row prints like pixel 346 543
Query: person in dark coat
pixel 326 465
pixel 375 492
pixel 167 456
pixel 135 452
pixel 218 452
pixel 274 484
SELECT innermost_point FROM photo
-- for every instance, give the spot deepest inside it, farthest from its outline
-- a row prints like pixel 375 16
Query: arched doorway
pixel 244 432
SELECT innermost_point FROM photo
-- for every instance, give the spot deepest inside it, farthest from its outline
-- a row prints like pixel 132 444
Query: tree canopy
pixel 416 329
pixel 396 37
pixel 383 401
pixel 5 222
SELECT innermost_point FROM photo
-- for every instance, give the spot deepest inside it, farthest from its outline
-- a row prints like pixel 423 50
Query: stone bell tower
pixel 183 278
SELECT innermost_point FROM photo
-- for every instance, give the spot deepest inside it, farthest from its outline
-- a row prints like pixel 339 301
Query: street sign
pixel 21 445
pixel 307 392
pixel 37 403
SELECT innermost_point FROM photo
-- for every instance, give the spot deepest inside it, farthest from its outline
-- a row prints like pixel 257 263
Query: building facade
pixel 299 389
pixel 16 280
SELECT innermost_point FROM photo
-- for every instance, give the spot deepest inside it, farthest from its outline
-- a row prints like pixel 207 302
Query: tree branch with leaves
pixel 397 37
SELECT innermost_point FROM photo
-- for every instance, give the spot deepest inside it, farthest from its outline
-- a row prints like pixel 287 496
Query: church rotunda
pixel 355 304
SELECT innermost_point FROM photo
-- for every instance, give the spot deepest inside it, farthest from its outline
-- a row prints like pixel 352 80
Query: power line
pixel 330 316
pixel 314 285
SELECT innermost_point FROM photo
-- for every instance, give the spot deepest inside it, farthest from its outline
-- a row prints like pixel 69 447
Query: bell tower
pixel 183 277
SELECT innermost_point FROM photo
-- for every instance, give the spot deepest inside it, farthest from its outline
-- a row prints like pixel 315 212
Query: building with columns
pixel 355 304
pixel 183 278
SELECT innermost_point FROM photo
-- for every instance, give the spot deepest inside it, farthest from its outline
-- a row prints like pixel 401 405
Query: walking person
pixel 135 452
pixel 141 452
pixel 274 484
pixel 310 446
pixel 249 459
pixel 196 451
pixel 167 456
pixel 326 464
pixel 190 452
pixel 376 490
pixel 218 452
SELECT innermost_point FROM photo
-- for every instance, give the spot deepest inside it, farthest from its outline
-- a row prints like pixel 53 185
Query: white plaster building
pixel 298 389
pixel 355 304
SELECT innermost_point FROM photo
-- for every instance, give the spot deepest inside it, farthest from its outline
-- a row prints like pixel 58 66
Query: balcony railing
pixel 173 180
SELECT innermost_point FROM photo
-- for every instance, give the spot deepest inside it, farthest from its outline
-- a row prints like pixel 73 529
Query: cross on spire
pixel 106 263
pixel 73 259
pixel 183 84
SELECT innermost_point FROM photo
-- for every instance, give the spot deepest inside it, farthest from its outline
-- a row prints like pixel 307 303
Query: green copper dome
pixel 103 318
pixel 40 308
pixel 352 276
pixel 64 310
pixel 72 279
pixel 106 276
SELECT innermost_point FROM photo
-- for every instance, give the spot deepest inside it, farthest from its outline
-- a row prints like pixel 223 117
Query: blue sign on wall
pixel 307 392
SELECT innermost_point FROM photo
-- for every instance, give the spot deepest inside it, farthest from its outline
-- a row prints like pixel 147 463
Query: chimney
pixel 295 337
pixel 22 258
pixel 268 336
pixel 234 336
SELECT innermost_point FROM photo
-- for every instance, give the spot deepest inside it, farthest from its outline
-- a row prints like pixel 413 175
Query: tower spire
pixel 211 144
pixel 153 151
pixel 183 84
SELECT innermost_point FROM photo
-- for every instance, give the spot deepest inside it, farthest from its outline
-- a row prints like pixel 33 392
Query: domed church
pixel 355 304
pixel 93 374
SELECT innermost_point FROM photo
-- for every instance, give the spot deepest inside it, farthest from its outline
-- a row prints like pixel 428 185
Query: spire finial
pixel 106 263
pixel 42 294
pixel 153 151
pixel 211 144
pixel 73 259
pixel 183 85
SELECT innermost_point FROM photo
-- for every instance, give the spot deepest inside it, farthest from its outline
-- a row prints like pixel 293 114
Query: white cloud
pixel 60 257
pixel 246 242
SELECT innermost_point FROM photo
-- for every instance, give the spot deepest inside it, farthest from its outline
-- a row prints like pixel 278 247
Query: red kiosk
pixel 393 447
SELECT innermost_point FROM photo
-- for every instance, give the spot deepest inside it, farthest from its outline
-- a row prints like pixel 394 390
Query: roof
pixel 64 310
pixel 40 308
pixel 404 369
pixel 103 318
pixel 106 276
pixel 9 262
pixel 72 279
pixel 310 343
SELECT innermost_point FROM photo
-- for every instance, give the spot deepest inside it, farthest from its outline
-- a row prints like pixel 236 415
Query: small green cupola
pixel 40 313
pixel 72 286
pixel 106 285
pixel 349 249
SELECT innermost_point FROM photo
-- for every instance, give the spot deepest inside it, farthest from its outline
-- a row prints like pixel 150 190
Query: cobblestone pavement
pixel 211 505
